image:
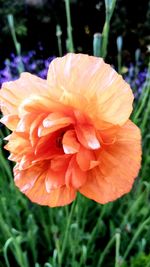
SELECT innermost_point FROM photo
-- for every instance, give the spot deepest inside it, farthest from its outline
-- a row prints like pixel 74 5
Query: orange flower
pixel 72 132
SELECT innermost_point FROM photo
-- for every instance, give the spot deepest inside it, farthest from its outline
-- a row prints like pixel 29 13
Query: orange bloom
pixel 72 132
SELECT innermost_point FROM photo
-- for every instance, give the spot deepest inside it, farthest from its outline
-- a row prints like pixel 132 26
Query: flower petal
pixel 20 149
pixel 60 163
pixel 107 97
pixel 86 159
pixel 74 177
pixel 13 93
pixel 54 122
pixel 38 104
pixel 46 147
pixel 87 137
pixel 70 142
pixel 10 121
pixel 34 128
pixel 54 180
pixel 18 143
pixel 25 122
pixel 32 183
pixel 119 166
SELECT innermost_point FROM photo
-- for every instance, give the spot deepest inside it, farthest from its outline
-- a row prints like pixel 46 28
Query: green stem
pixel 137 233
pixel 102 256
pixel 146 116
pixel 70 46
pixel 5 248
pixel 105 35
pixel 66 233
pixel 133 208
pixel 5 165
pixel 119 56
pixel 97 44
pixel 109 7
pixel 10 19
pixel 58 34
pixel 117 249
pixel 96 227
pixel 119 59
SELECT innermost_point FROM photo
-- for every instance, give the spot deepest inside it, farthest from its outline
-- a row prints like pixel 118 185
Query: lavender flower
pixel 136 78
pixel 31 64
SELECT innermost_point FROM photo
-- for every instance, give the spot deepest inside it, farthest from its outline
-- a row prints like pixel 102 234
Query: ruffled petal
pixel 10 121
pixel 54 122
pixel 47 147
pixel 37 104
pixel 13 93
pixel 92 86
pixel 70 142
pixel 32 183
pixel 60 163
pixel 119 166
pixel 18 143
pixel 86 159
pixel 25 122
pixel 20 149
pixel 54 180
pixel 87 136
pixel 34 128
pixel 74 176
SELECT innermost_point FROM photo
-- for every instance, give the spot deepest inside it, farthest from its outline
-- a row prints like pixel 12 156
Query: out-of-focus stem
pixel 109 5
pixel 66 233
pixel 105 251
pixel 58 34
pixel 137 233
pixel 97 44
pixel 119 56
pixel 117 250
pixel 70 46
pixel 10 19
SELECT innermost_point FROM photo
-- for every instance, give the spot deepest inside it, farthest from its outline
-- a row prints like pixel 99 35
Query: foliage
pixel 135 30
pixel 141 259
pixel 17 9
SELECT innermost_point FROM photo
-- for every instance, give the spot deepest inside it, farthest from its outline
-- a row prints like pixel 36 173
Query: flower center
pixel 59 140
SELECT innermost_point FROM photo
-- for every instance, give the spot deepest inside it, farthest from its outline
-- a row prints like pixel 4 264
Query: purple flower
pixel 31 64
pixel 136 78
